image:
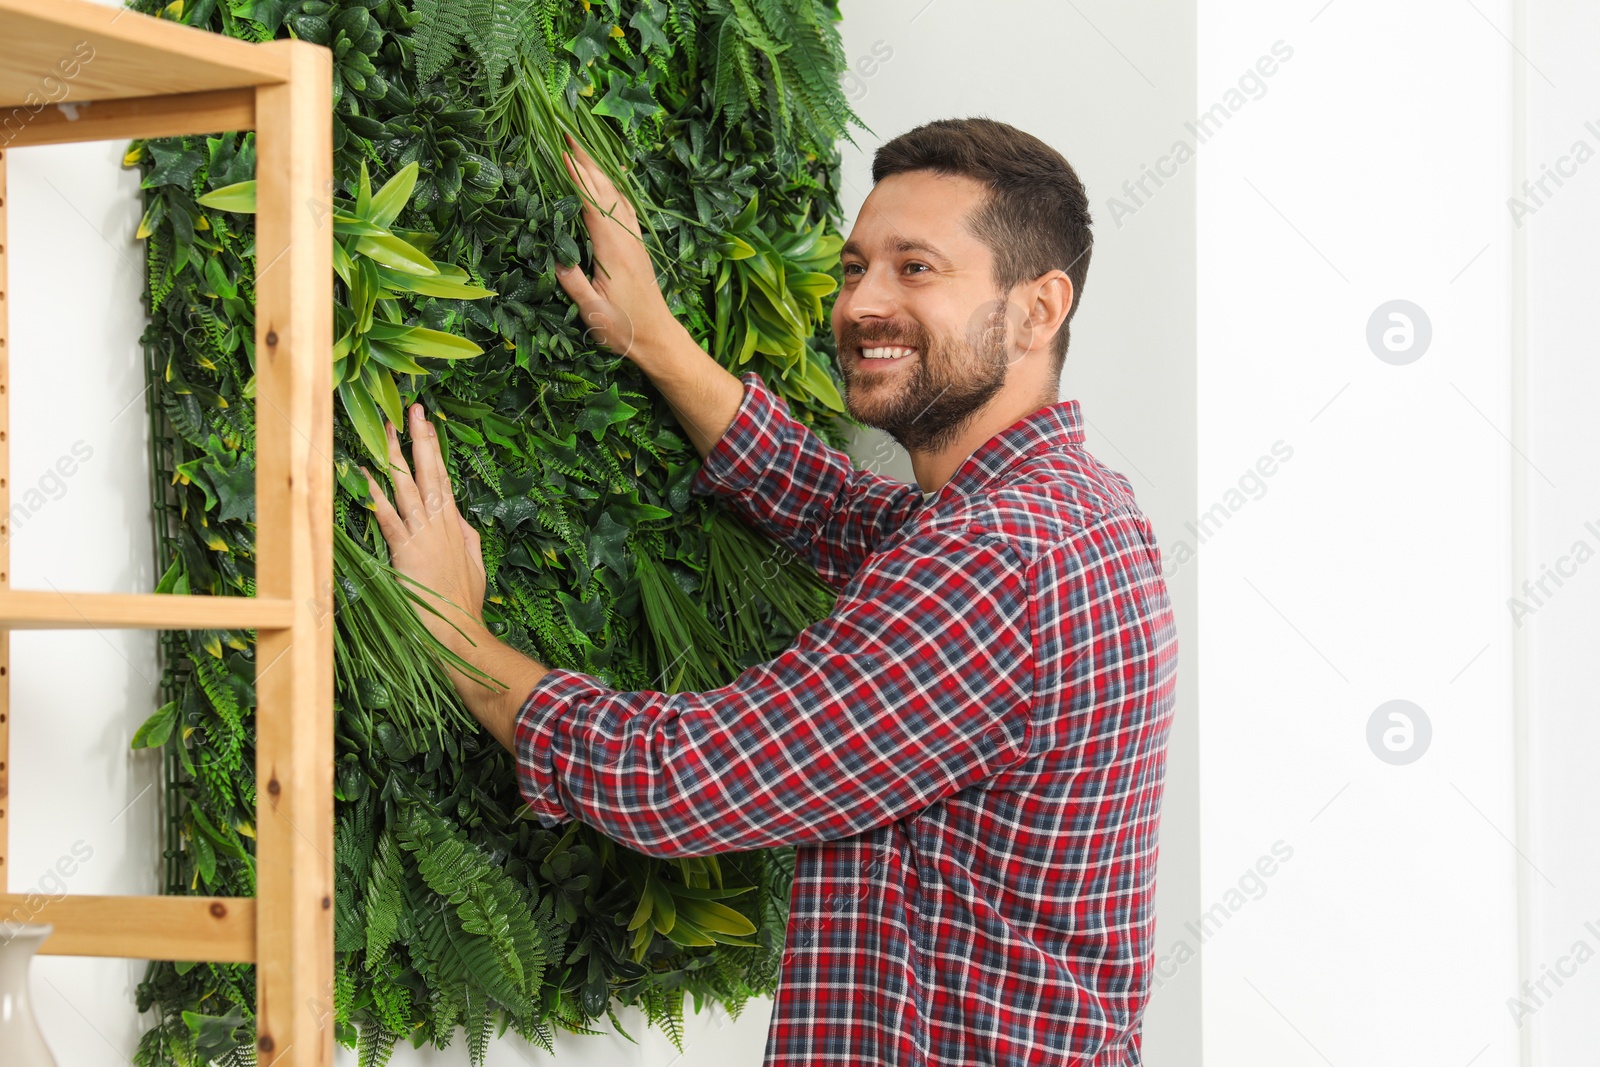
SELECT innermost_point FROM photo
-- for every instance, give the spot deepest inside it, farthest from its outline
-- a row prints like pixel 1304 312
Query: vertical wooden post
pixel 5 533
pixel 294 560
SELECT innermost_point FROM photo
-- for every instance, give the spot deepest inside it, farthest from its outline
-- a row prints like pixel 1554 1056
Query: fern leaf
pixel 441 28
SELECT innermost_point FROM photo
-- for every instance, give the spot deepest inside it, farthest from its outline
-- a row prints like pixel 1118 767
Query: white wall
pixel 1560 87
pixel 80 520
pixel 1375 564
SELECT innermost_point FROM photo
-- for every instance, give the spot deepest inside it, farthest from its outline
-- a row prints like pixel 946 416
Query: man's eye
pixel 924 266
pixel 849 267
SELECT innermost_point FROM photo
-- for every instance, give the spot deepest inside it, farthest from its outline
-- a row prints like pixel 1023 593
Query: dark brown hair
pixel 1037 216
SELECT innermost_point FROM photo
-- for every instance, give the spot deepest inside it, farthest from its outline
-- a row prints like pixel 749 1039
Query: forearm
pixel 494 706
pixel 703 394
pixel 786 482
pixel 870 714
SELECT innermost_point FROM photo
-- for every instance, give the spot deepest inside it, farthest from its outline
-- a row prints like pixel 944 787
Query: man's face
pixel 918 319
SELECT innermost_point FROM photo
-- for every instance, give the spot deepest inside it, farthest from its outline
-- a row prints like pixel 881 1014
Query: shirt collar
pixel 1051 428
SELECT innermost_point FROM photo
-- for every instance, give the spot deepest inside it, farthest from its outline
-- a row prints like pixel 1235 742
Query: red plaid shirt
pixel 969 752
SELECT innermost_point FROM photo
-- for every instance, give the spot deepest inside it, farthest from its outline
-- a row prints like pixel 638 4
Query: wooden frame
pixel 72 70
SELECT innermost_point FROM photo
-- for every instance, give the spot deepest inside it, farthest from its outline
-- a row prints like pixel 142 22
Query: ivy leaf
pixel 604 409
pixel 626 103
pixel 649 20
pixel 512 511
pixel 215 1035
pixel 175 165
pixel 608 546
pixel 235 484
pixel 587 616
pixel 590 42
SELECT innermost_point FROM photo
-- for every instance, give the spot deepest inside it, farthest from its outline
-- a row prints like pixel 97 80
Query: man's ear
pixel 1046 301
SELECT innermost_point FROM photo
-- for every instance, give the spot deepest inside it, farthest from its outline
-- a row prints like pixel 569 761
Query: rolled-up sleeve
pixel 788 483
pixel 919 685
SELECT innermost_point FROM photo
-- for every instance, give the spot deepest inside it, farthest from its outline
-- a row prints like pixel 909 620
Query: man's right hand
pixel 622 305
pixel 625 311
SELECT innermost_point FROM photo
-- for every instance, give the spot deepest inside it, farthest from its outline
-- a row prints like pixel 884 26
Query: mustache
pixel 853 336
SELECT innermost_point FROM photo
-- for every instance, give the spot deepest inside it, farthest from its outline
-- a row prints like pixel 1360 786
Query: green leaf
pixel 421 341
pixel 175 164
pixel 388 201
pixel 396 254
pixel 363 413
pixel 716 918
pixel 601 410
pixel 812 376
pixel 157 728
pixel 625 102
pixel 812 284
pixel 169 580
pixel 591 40
pixel 205 858
pixel 215 1035
pixel 608 546
pixel 350 226
pixel 239 198
pixel 443 286
pixel 380 386
pixel 393 358
pixel 650 19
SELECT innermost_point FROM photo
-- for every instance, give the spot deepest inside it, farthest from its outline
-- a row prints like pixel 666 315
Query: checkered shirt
pixel 968 753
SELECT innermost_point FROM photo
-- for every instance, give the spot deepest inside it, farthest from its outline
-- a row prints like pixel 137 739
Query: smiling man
pixel 969 752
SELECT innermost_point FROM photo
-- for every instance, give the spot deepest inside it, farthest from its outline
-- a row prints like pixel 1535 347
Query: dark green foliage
pixel 453 908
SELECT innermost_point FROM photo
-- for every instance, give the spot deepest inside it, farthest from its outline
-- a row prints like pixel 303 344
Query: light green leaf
pixel 446 288
pixel 380 385
pixel 350 226
pixel 421 341
pixel 364 417
pixel 392 252
pixel 157 728
pixel 239 197
pixel 393 358
pixel 812 376
pixel 395 194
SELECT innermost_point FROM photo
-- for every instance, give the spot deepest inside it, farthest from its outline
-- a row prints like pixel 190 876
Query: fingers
pixel 433 481
pixel 405 490
pixel 390 524
pixel 592 182
pixel 578 286
pixel 474 543
pixel 603 202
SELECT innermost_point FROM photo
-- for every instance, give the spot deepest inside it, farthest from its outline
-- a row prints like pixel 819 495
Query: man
pixel 969 752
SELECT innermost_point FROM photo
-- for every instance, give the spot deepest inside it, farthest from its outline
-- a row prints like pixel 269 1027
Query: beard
pixel 926 405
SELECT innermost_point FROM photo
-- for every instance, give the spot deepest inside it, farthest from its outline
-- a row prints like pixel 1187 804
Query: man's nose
pixel 873 296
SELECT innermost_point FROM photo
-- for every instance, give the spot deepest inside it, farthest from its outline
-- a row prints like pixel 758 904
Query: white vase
pixel 21 1044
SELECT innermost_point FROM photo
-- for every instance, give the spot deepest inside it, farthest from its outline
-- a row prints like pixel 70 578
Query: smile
pixel 886 352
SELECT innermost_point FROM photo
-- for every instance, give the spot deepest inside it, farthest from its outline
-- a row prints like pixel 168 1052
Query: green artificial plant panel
pixel 453 908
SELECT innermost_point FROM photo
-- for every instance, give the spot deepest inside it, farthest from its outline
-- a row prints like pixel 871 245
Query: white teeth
pixel 890 352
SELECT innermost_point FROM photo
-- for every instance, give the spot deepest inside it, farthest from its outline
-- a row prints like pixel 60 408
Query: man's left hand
pixel 428 539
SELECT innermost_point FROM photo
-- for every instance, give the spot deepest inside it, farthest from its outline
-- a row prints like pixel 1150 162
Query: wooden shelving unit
pixel 77 71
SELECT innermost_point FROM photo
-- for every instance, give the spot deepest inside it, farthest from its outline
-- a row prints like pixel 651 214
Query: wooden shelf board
pixel 78 50
pixel 27 609
pixel 215 111
pixel 215 929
